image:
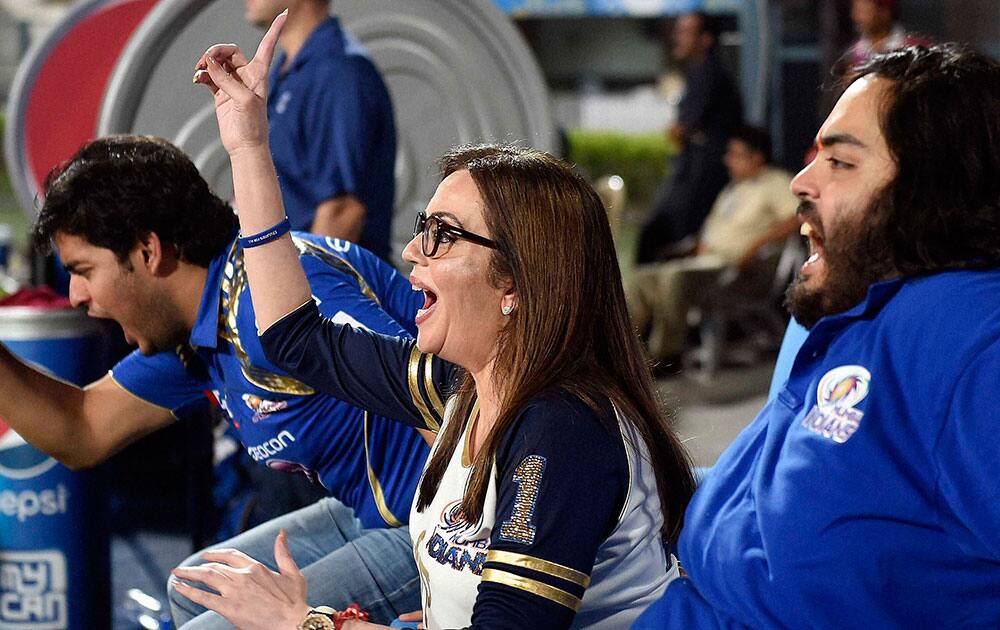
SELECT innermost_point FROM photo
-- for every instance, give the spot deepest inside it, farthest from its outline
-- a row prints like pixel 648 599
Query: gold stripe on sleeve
pixel 432 393
pixel 542 566
pixel 260 377
pixel 534 587
pixel 376 486
pixel 335 260
pixel 418 399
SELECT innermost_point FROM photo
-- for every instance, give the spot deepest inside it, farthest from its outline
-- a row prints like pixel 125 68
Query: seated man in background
pixel 753 211
pixel 148 245
pixel 864 494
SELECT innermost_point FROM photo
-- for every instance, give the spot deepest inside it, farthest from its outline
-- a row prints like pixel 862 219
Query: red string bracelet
pixel 352 612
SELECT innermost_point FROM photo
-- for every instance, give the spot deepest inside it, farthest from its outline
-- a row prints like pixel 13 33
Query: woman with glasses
pixel 554 480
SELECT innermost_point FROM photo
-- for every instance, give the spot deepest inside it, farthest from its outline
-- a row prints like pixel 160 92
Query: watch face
pixel 317 621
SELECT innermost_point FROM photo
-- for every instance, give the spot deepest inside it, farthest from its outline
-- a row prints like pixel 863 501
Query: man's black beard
pixel 857 257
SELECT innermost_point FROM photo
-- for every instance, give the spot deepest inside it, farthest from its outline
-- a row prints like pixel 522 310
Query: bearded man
pixel 864 495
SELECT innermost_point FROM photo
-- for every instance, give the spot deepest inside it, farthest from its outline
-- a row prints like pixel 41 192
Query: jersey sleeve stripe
pixel 264 379
pixel 539 565
pixel 335 260
pixel 418 399
pixel 534 587
pixel 432 393
pixel 377 492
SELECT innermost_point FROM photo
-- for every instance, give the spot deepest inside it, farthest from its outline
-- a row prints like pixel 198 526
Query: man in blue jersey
pixel 148 245
pixel 332 127
pixel 864 495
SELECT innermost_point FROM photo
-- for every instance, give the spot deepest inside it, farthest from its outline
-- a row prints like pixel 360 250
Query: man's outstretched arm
pixel 78 427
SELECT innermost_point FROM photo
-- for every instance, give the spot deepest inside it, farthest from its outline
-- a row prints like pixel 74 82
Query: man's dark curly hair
pixel 117 190
pixel 942 125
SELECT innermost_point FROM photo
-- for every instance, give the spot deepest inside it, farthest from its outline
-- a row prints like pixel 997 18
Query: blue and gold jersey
pixel 570 530
pixel 367 461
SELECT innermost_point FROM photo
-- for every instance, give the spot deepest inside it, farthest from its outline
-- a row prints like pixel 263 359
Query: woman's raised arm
pixel 277 283
pixel 385 375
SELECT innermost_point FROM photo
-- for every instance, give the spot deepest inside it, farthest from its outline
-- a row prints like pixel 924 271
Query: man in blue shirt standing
pixel 864 494
pixel 148 245
pixel 333 131
pixel 706 117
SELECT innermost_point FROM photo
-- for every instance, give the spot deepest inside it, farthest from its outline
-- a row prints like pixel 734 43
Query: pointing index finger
pixel 265 50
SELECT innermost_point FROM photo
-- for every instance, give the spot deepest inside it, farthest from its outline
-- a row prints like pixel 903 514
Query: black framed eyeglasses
pixel 434 231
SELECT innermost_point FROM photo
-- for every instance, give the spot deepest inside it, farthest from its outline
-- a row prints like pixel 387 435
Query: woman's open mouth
pixel 430 300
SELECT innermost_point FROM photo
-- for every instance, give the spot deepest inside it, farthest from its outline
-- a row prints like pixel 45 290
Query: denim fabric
pixel 341 561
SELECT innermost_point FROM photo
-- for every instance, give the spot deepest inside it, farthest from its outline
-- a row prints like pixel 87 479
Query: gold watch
pixel 319 618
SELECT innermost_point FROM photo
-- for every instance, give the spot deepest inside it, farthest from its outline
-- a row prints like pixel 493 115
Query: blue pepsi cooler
pixel 55 567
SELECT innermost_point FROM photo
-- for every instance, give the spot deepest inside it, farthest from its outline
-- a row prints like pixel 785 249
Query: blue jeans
pixel 342 563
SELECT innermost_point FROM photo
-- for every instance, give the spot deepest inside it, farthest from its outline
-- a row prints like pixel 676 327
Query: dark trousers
pixel 683 202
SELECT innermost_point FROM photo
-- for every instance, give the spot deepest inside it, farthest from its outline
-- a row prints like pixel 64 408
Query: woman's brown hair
pixel 571 328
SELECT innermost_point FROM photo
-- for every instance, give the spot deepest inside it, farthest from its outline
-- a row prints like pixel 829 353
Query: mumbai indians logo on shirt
pixel 262 408
pixel 449 547
pixel 453 517
pixel 840 390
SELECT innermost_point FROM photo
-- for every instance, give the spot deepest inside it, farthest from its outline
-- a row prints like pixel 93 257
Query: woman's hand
pixel 240 89
pixel 250 596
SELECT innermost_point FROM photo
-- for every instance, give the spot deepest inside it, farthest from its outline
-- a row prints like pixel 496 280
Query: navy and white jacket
pixel 570 534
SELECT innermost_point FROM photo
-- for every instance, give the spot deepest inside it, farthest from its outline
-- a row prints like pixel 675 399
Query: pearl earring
pixel 507 309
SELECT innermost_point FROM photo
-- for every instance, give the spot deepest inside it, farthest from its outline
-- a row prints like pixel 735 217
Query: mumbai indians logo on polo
pixel 840 390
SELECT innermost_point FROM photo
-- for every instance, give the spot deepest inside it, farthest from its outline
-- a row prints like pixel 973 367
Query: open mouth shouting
pixel 814 263
pixel 430 300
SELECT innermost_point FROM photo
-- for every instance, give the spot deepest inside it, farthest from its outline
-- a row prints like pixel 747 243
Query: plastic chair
pixel 750 301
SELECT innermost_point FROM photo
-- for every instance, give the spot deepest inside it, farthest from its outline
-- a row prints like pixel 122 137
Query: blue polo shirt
pixel 865 494
pixel 795 336
pixel 333 132
pixel 367 461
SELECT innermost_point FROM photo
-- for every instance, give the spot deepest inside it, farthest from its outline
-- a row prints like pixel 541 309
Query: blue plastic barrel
pixel 55 563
